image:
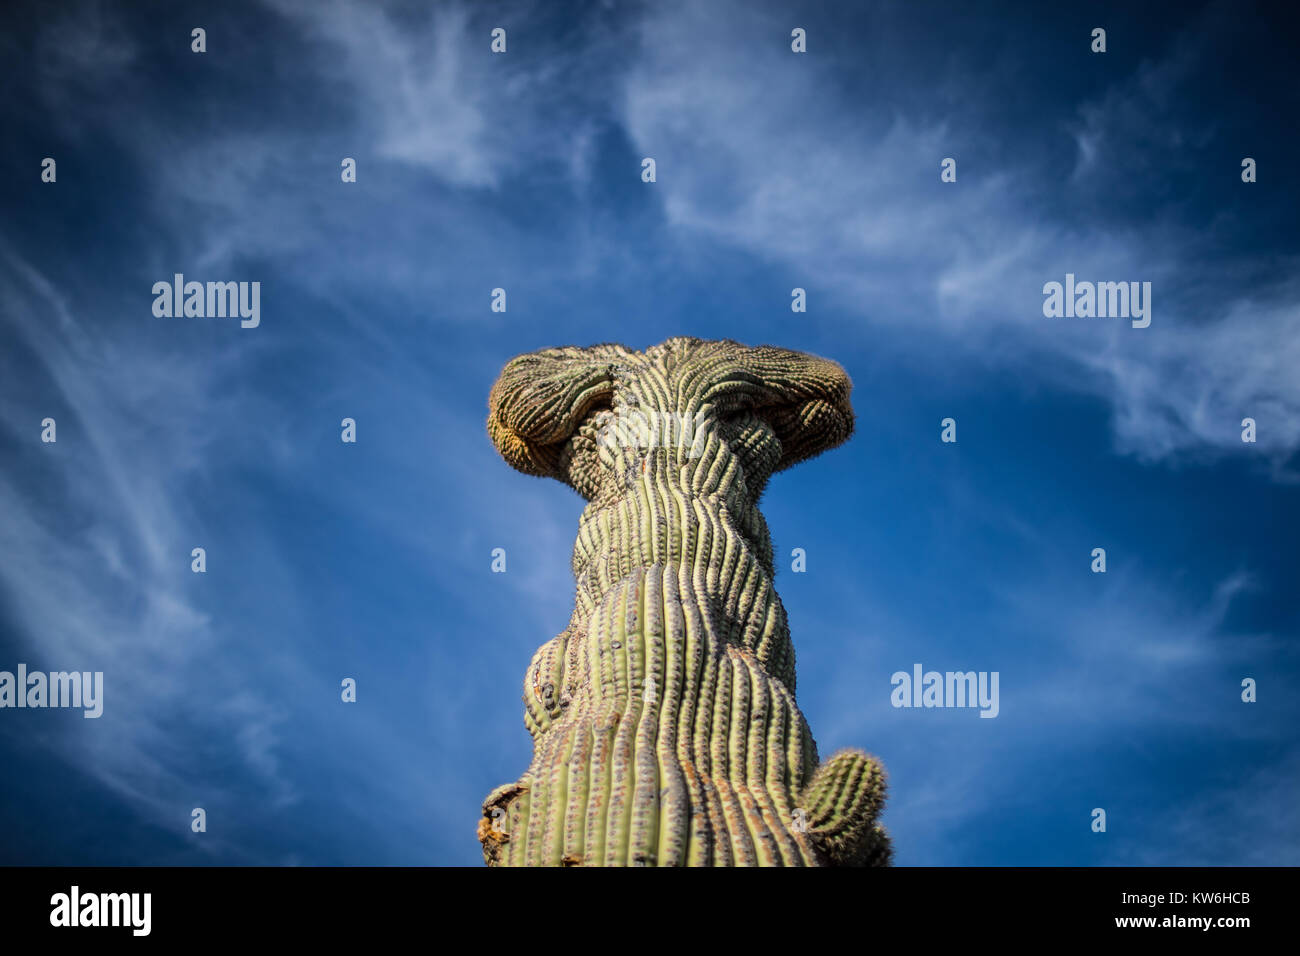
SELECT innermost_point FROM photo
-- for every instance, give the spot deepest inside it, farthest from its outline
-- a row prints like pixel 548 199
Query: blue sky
pixel 522 171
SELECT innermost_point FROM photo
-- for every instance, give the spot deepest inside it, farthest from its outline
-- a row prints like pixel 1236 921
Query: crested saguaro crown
pixel 664 723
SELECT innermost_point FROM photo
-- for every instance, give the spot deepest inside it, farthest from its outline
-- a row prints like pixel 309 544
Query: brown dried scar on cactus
pixel 664 723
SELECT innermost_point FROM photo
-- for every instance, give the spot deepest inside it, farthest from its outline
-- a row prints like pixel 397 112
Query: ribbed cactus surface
pixel 664 722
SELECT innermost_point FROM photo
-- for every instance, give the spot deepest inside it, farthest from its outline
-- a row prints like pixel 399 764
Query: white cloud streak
pixel 758 148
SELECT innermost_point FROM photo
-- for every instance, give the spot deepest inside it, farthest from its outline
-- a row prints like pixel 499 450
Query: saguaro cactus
pixel 664 723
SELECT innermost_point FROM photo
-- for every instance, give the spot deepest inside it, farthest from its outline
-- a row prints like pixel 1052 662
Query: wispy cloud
pixel 422 94
pixel 754 149
pixel 98 580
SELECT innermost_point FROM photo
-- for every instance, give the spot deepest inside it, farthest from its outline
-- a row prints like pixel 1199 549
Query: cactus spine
pixel 664 722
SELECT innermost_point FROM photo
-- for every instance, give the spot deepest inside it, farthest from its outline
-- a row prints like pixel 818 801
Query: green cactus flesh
pixel 664 723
